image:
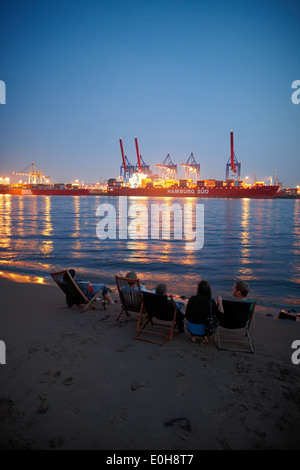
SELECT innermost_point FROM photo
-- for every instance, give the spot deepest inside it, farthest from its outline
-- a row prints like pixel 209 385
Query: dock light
pixel 4 180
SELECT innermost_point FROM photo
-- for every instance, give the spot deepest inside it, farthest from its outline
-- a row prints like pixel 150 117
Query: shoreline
pixel 43 279
pixel 80 381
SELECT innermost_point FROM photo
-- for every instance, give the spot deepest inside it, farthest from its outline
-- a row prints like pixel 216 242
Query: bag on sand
pixel 211 323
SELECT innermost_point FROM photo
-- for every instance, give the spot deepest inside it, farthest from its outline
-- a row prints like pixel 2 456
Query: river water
pixel 256 240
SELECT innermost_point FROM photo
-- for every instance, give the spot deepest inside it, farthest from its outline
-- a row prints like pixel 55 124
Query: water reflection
pixel 25 227
pixel 257 240
pixel 75 227
pixel 47 243
pixel 296 243
pixel 165 224
pixel 23 278
pixel 245 272
pixel 5 220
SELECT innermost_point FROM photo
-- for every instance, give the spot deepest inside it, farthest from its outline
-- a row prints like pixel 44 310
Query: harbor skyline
pixel 178 75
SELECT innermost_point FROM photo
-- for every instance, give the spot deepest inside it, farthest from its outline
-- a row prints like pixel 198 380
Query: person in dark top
pixel 161 289
pixel 88 289
pixel 198 310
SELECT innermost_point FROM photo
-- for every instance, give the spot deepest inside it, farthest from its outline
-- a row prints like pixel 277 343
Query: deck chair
pixel 159 307
pixel 234 328
pixel 74 295
pixel 131 298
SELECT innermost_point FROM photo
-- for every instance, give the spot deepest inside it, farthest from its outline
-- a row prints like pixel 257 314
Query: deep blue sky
pixel 178 74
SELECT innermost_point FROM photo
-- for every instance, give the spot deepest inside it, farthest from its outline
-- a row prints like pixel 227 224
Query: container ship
pixel 43 190
pixel 201 191
pixel 37 186
pixel 137 180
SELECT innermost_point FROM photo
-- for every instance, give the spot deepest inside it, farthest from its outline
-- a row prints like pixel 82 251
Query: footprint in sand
pixel 180 373
pixel 183 424
pixel 68 381
pixel 120 417
pixel 56 442
pixel 137 385
pixel 124 348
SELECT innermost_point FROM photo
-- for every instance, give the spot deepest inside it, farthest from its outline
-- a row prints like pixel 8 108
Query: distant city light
pixel 5 180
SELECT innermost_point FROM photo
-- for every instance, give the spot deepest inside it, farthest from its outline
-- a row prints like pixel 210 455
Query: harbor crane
pixel 35 176
pixel 127 169
pixel 141 165
pixel 232 165
pixel 168 167
pixel 191 167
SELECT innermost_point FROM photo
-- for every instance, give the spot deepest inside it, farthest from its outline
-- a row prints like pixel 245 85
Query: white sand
pixel 80 381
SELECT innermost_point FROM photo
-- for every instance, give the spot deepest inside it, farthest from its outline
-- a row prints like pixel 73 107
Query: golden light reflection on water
pixel 245 255
pixel 242 241
pixel 245 251
pixel 25 228
pixel 77 242
pixel 47 244
pixel 23 278
pixel 164 224
pixel 5 221
pixel 295 277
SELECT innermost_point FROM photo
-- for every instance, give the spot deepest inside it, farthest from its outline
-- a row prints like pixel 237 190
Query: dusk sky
pixel 177 74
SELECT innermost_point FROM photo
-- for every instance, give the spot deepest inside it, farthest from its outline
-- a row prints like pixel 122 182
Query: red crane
pixel 141 165
pixel 127 169
pixel 138 154
pixel 232 152
pixel 232 163
pixel 123 156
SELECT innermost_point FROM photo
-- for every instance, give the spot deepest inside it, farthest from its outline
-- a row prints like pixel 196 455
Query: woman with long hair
pixel 200 308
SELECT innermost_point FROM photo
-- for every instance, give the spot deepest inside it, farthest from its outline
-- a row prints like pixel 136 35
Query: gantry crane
pixel 141 165
pixel 35 176
pixel 232 165
pixel 168 167
pixel 191 167
pixel 127 169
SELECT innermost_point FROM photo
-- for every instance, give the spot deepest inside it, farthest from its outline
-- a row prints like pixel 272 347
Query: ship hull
pixel 44 192
pixel 263 192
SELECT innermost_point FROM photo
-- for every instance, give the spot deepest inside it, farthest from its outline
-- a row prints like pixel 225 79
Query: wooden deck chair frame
pixel 233 308
pixel 82 300
pixel 131 299
pixel 166 305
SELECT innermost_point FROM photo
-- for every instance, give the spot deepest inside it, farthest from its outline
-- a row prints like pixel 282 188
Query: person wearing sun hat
pixel 133 275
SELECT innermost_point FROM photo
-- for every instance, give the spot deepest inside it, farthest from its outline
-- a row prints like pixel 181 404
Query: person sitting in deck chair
pixel 199 309
pixel 88 289
pixel 133 275
pixel 240 290
pixel 161 289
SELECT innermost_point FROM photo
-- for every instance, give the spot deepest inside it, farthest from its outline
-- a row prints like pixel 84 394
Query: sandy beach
pixel 80 381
